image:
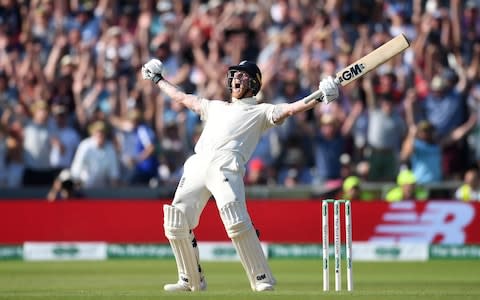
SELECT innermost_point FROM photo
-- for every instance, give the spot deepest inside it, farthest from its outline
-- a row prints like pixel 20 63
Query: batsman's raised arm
pixel 153 70
pixel 327 92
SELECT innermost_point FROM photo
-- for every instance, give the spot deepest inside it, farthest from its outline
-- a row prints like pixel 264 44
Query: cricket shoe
pixel 263 287
pixel 181 286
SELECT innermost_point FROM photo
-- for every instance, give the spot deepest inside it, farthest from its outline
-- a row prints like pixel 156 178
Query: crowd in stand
pixel 71 96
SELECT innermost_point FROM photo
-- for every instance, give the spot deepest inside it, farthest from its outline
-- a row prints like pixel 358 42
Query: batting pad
pixel 178 234
pixel 197 252
pixel 240 229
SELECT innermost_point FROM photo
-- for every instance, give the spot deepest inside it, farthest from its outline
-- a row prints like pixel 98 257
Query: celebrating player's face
pixel 239 83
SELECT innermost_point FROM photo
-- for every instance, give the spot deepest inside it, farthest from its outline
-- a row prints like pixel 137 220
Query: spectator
pixel 172 145
pixel 66 142
pixel 293 171
pixel 87 18
pixel 63 94
pixel 425 148
pixel 386 130
pixel 95 163
pixel 289 86
pixel 12 17
pixel 8 94
pixel 328 146
pixel 362 169
pixel 473 102
pixel 424 153
pixel 444 107
pixel 64 187
pixel 3 155
pixel 356 125
pixel 185 121
pixel 386 84
pixel 14 158
pixel 261 167
pixel 407 188
pixel 256 173
pixel 352 190
pixel 39 136
pixel 398 12
pixel 139 157
pixel 470 189
pixel 470 29
pixel 115 51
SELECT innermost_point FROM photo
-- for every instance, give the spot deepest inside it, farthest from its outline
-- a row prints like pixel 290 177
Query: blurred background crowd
pixel 73 105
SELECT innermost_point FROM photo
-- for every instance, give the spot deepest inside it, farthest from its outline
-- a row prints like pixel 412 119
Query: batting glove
pixel 329 89
pixel 153 70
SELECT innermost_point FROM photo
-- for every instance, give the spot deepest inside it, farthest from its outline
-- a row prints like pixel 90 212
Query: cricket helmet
pixel 255 81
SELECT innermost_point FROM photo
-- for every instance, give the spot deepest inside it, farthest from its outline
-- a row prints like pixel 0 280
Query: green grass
pixel 297 279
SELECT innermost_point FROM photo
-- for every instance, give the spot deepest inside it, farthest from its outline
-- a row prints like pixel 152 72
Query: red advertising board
pixel 280 221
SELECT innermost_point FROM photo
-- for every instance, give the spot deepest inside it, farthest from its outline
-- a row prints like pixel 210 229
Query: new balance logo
pixel 443 223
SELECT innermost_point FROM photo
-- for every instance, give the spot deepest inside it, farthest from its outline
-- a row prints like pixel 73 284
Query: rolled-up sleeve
pixel 204 105
pixel 270 112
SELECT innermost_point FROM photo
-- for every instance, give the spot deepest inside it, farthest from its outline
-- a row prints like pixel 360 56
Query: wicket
pixel 337 243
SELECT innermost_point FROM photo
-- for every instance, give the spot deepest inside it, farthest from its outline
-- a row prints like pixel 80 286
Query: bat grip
pixel 317 94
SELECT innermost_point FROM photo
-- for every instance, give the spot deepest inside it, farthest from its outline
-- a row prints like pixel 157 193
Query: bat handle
pixel 317 94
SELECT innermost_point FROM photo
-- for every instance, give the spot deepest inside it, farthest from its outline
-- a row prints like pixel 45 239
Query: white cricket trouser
pixel 205 175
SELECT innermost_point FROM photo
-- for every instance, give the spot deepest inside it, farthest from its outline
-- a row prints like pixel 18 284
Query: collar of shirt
pixel 250 100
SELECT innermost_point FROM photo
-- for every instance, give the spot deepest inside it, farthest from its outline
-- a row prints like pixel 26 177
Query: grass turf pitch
pixel 297 279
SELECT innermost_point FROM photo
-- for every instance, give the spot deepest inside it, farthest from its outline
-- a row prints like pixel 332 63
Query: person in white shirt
pixel 66 141
pixel 95 163
pixel 38 137
pixel 230 135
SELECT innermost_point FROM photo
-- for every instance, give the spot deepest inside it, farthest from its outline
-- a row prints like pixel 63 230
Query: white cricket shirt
pixel 95 166
pixel 233 128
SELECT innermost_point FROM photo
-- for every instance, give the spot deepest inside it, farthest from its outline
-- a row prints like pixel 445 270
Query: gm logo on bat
pixel 353 71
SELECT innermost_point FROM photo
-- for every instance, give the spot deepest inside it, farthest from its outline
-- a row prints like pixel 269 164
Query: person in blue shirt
pixel 328 145
pixel 424 151
pixel 444 110
pixel 145 158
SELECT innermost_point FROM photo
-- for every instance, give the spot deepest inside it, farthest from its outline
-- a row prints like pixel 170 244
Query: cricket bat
pixel 367 63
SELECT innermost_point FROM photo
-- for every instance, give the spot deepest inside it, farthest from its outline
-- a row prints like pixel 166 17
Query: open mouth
pixel 236 84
